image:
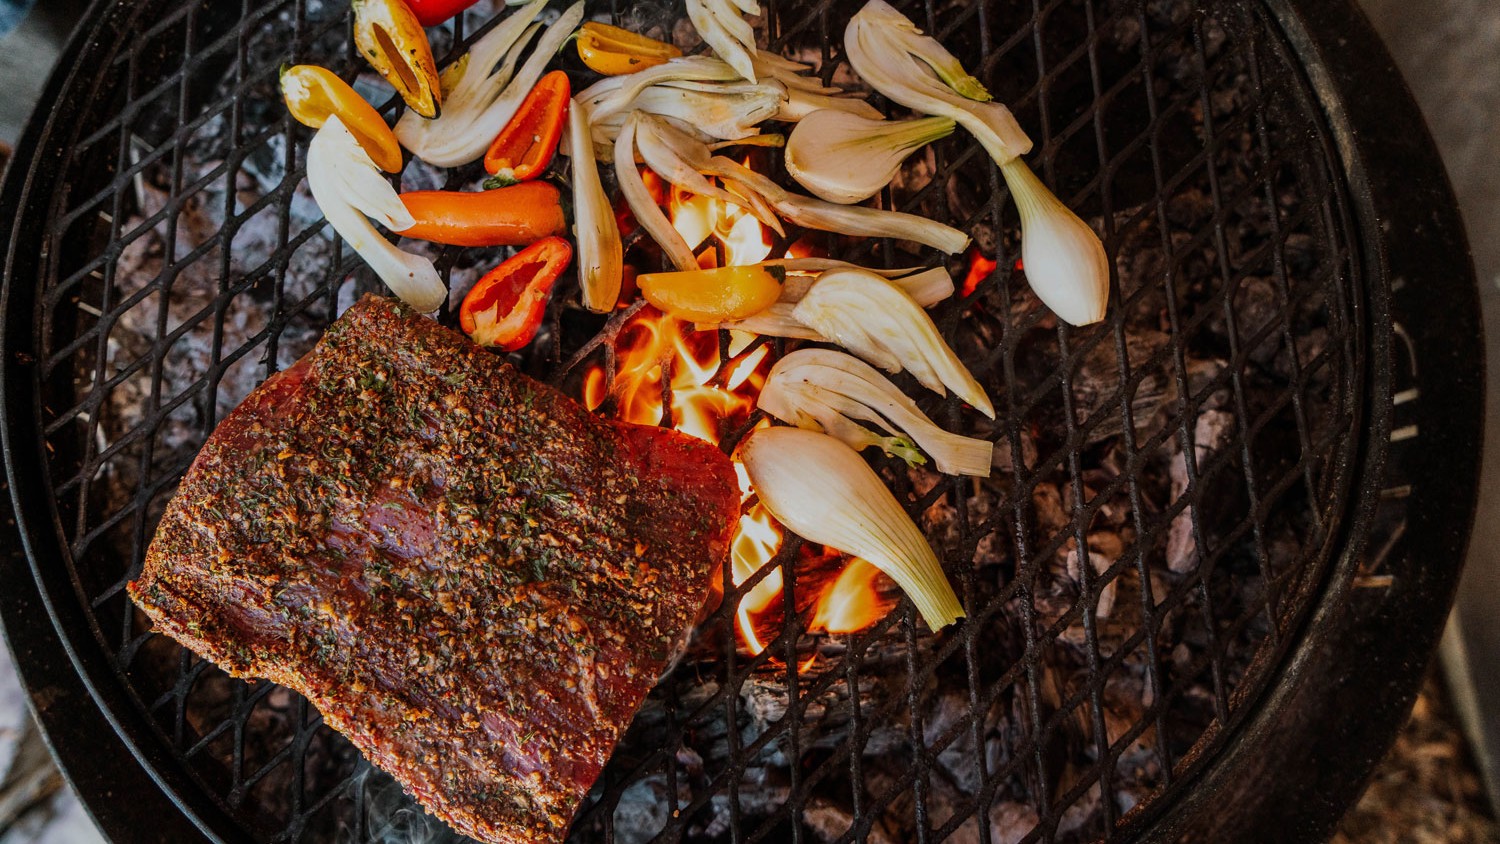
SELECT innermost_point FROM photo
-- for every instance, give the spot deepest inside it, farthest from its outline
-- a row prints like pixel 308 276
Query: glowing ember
pixel 707 400
pixel 853 602
pixel 980 269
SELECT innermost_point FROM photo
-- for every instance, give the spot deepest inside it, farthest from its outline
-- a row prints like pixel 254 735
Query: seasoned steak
pixel 472 577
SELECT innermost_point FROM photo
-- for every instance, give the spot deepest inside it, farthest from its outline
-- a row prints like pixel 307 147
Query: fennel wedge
pixel 877 320
pixel 823 490
pixel 349 188
pixel 888 51
pixel 1066 264
pixel 600 250
pixel 847 158
pixel 829 391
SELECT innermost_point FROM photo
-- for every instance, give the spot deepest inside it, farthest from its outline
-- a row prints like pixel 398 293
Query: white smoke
pixel 393 817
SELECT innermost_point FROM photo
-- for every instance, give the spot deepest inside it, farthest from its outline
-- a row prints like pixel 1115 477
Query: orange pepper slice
pixel 714 296
pixel 613 51
pixel 313 94
pixel 513 216
pixel 524 148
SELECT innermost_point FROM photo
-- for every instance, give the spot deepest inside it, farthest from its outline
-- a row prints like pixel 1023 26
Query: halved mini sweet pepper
pixel 313 94
pixel 506 307
pixel 392 40
pixel 434 12
pixel 613 51
pixel 515 216
pixel 713 296
pixel 524 148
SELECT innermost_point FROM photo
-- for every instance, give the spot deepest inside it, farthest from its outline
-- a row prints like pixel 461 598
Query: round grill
pixel 1216 447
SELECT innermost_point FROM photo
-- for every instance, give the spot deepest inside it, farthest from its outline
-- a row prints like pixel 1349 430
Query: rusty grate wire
pixel 183 265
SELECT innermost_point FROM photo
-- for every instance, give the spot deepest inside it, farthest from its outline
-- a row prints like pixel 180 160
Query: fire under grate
pixel 1198 445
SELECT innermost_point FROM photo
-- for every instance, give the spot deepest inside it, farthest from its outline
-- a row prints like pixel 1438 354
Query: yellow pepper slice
pixel 613 51
pixel 314 93
pixel 392 40
pixel 713 296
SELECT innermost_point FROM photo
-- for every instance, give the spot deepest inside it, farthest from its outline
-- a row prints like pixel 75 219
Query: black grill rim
pixel 78 714
pixel 1397 187
pixel 1305 754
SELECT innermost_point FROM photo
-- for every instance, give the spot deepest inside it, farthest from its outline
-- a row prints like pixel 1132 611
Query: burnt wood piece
pixel 472 577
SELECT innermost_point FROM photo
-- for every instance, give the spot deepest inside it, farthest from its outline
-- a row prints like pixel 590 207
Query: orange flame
pixel 703 406
pixel 710 396
pixel 699 404
pixel 852 603
pixel 699 218
pixel 755 544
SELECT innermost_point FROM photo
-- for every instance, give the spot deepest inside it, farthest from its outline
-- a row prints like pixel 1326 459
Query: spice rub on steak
pixel 471 576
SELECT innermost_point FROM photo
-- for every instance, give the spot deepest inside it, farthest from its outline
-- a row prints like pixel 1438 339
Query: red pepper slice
pixel 506 307
pixel 524 148
pixel 434 12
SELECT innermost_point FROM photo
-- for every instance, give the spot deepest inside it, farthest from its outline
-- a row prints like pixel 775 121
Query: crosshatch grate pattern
pixel 1195 445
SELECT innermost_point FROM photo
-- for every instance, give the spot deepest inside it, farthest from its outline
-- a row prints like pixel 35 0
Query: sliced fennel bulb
pixel 642 206
pixel 927 287
pixel 485 98
pixel 878 321
pixel 722 28
pixel 615 94
pixel 888 51
pixel 759 192
pixel 704 115
pixel 846 158
pixel 821 489
pixel 856 220
pixel 861 221
pixel 600 251
pixel 817 265
pixel 821 389
pixel 790 73
pixel 1065 263
pixel 775 321
pixel 729 111
pixel 680 163
pixel 711 99
pixel 349 188
pixel 800 103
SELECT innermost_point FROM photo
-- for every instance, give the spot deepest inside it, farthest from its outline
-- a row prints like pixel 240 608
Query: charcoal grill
pixel 1283 234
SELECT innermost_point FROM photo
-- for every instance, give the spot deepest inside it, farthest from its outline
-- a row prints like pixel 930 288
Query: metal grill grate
pixel 1200 440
